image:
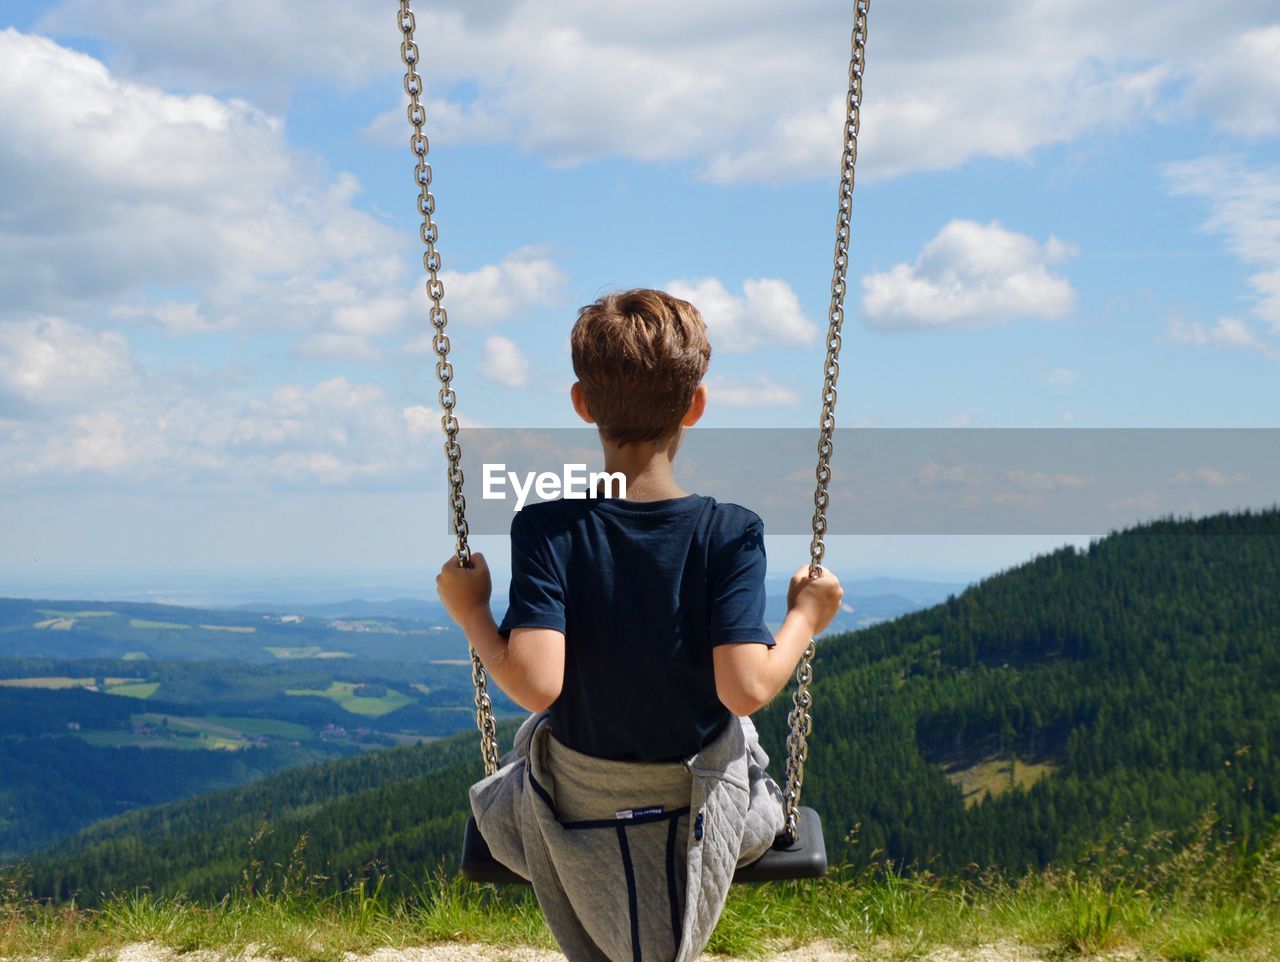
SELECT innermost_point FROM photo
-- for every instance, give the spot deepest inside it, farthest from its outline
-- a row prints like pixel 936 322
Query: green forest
pixel 85 739
pixel 1080 699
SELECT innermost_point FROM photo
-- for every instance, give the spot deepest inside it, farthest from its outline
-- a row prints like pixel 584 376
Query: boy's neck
pixel 648 467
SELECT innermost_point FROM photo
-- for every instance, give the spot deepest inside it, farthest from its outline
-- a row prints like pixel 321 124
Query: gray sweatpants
pixel 589 789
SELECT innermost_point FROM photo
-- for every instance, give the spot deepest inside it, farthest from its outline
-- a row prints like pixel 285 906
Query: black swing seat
pixel 804 858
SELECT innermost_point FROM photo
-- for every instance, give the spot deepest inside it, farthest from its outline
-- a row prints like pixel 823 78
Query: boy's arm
pixel 529 666
pixel 749 676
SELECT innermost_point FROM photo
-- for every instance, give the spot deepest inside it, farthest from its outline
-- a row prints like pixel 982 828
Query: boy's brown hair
pixel 640 355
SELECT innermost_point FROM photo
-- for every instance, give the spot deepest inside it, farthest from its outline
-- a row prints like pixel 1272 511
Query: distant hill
pixel 419 609
pixel 134 630
pixel 869 600
pixel 917 591
pixel 1121 688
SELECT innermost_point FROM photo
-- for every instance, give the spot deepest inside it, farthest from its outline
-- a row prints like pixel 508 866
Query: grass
pixel 144 623
pixel 261 726
pixel 54 682
pixel 344 693
pixel 994 776
pixel 227 726
pixel 113 739
pixel 1201 902
pixel 143 689
pixel 305 651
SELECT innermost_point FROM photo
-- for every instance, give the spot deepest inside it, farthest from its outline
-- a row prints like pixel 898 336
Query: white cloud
pixel 172 317
pixel 1226 332
pixel 75 402
pixel 447 121
pixel 1211 477
pixel 767 313
pixel 333 433
pixel 504 363
pixel 338 347
pixel 732 87
pixel 267 42
pixel 1244 205
pixel 51 364
pixel 762 392
pixel 970 275
pixel 1241 86
pixel 136 187
pixel 524 279
pixel 1062 377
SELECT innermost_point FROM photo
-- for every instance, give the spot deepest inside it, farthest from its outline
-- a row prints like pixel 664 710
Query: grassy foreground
pixel 1203 900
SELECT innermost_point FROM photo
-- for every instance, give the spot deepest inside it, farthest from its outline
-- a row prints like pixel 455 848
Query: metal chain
pixel 800 721
pixel 431 263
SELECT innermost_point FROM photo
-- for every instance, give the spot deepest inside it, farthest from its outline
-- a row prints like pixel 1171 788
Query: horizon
pixel 311 591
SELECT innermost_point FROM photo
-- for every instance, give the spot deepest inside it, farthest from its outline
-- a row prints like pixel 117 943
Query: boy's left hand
pixel 463 590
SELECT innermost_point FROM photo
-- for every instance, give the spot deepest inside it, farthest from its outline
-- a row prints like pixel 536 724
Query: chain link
pixel 800 721
pixel 431 263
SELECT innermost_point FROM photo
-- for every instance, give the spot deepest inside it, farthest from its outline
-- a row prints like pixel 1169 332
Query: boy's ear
pixel 696 407
pixel 580 402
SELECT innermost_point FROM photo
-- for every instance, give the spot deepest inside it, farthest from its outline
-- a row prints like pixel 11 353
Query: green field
pixel 53 613
pixel 56 624
pixel 994 776
pixel 261 726
pixel 130 740
pixel 344 693
pixel 144 623
pixel 144 689
pixel 54 682
pixel 305 651
pixel 225 732
pixel 210 732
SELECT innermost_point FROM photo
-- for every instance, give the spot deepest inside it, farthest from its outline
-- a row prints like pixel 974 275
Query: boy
pixel 635 628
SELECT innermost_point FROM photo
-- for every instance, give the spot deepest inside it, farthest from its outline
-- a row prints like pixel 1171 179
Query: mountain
pixel 868 601
pixel 1085 695
pixel 418 609
pixel 917 591
pixel 134 630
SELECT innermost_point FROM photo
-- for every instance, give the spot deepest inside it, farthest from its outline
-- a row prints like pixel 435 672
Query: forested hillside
pixel 1134 683
pixel 85 739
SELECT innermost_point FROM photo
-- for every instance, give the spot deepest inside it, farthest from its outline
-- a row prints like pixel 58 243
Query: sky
pixel 214 365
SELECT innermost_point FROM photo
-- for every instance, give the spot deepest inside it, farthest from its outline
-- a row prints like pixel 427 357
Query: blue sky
pixel 211 327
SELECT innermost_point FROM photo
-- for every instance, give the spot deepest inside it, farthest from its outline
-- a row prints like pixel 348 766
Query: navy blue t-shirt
pixel 643 590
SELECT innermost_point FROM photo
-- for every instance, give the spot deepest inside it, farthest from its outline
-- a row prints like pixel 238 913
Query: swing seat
pixel 804 858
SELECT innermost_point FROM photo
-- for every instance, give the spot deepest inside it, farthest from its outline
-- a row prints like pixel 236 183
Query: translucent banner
pixel 905 481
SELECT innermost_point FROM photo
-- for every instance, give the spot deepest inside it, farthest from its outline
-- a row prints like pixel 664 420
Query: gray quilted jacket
pixel 646 882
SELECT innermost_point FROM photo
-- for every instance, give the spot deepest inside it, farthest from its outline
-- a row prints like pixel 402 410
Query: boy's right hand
pixel 817 600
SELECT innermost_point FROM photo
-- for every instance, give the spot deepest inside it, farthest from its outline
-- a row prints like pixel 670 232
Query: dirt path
pixel 463 952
